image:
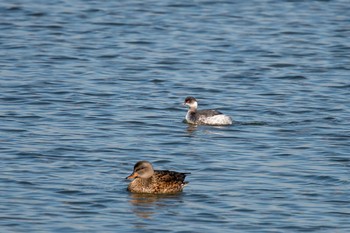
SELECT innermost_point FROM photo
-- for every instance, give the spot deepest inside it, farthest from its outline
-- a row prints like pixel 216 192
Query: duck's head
pixel 142 169
pixel 191 102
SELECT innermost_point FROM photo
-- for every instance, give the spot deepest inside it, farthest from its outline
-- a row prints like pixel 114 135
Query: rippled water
pixel 87 88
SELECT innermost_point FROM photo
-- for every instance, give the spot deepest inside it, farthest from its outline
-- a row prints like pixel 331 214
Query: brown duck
pixel 147 180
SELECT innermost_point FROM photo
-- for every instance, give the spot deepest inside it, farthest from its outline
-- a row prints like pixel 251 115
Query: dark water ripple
pixel 87 88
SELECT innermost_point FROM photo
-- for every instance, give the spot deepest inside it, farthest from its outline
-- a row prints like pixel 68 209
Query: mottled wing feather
pixel 170 176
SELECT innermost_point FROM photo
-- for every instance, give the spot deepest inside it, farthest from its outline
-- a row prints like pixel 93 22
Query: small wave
pixel 281 65
pixel 291 77
pixel 253 123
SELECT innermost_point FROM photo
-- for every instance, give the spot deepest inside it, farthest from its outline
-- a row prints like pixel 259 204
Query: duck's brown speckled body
pixel 147 180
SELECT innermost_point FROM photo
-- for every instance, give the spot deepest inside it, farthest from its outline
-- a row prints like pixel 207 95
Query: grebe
pixel 205 117
pixel 147 180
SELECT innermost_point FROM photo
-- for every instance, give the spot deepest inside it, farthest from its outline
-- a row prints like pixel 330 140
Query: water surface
pixel 87 88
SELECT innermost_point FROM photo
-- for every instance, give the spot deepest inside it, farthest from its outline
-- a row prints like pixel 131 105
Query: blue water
pixel 87 88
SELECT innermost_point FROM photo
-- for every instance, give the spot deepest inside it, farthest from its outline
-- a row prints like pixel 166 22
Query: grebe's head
pixel 142 169
pixel 191 102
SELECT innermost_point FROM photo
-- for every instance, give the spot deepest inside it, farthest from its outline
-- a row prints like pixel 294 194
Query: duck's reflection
pixel 146 205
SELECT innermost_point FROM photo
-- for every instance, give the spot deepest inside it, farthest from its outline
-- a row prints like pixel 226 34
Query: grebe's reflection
pixel 191 128
pixel 217 129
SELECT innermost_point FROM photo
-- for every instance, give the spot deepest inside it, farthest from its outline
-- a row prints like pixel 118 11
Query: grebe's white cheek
pixel 194 104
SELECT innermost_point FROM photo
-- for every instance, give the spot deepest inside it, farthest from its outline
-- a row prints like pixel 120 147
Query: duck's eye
pixel 140 168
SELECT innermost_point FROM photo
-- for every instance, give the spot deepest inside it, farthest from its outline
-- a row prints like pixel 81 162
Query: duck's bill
pixel 132 176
